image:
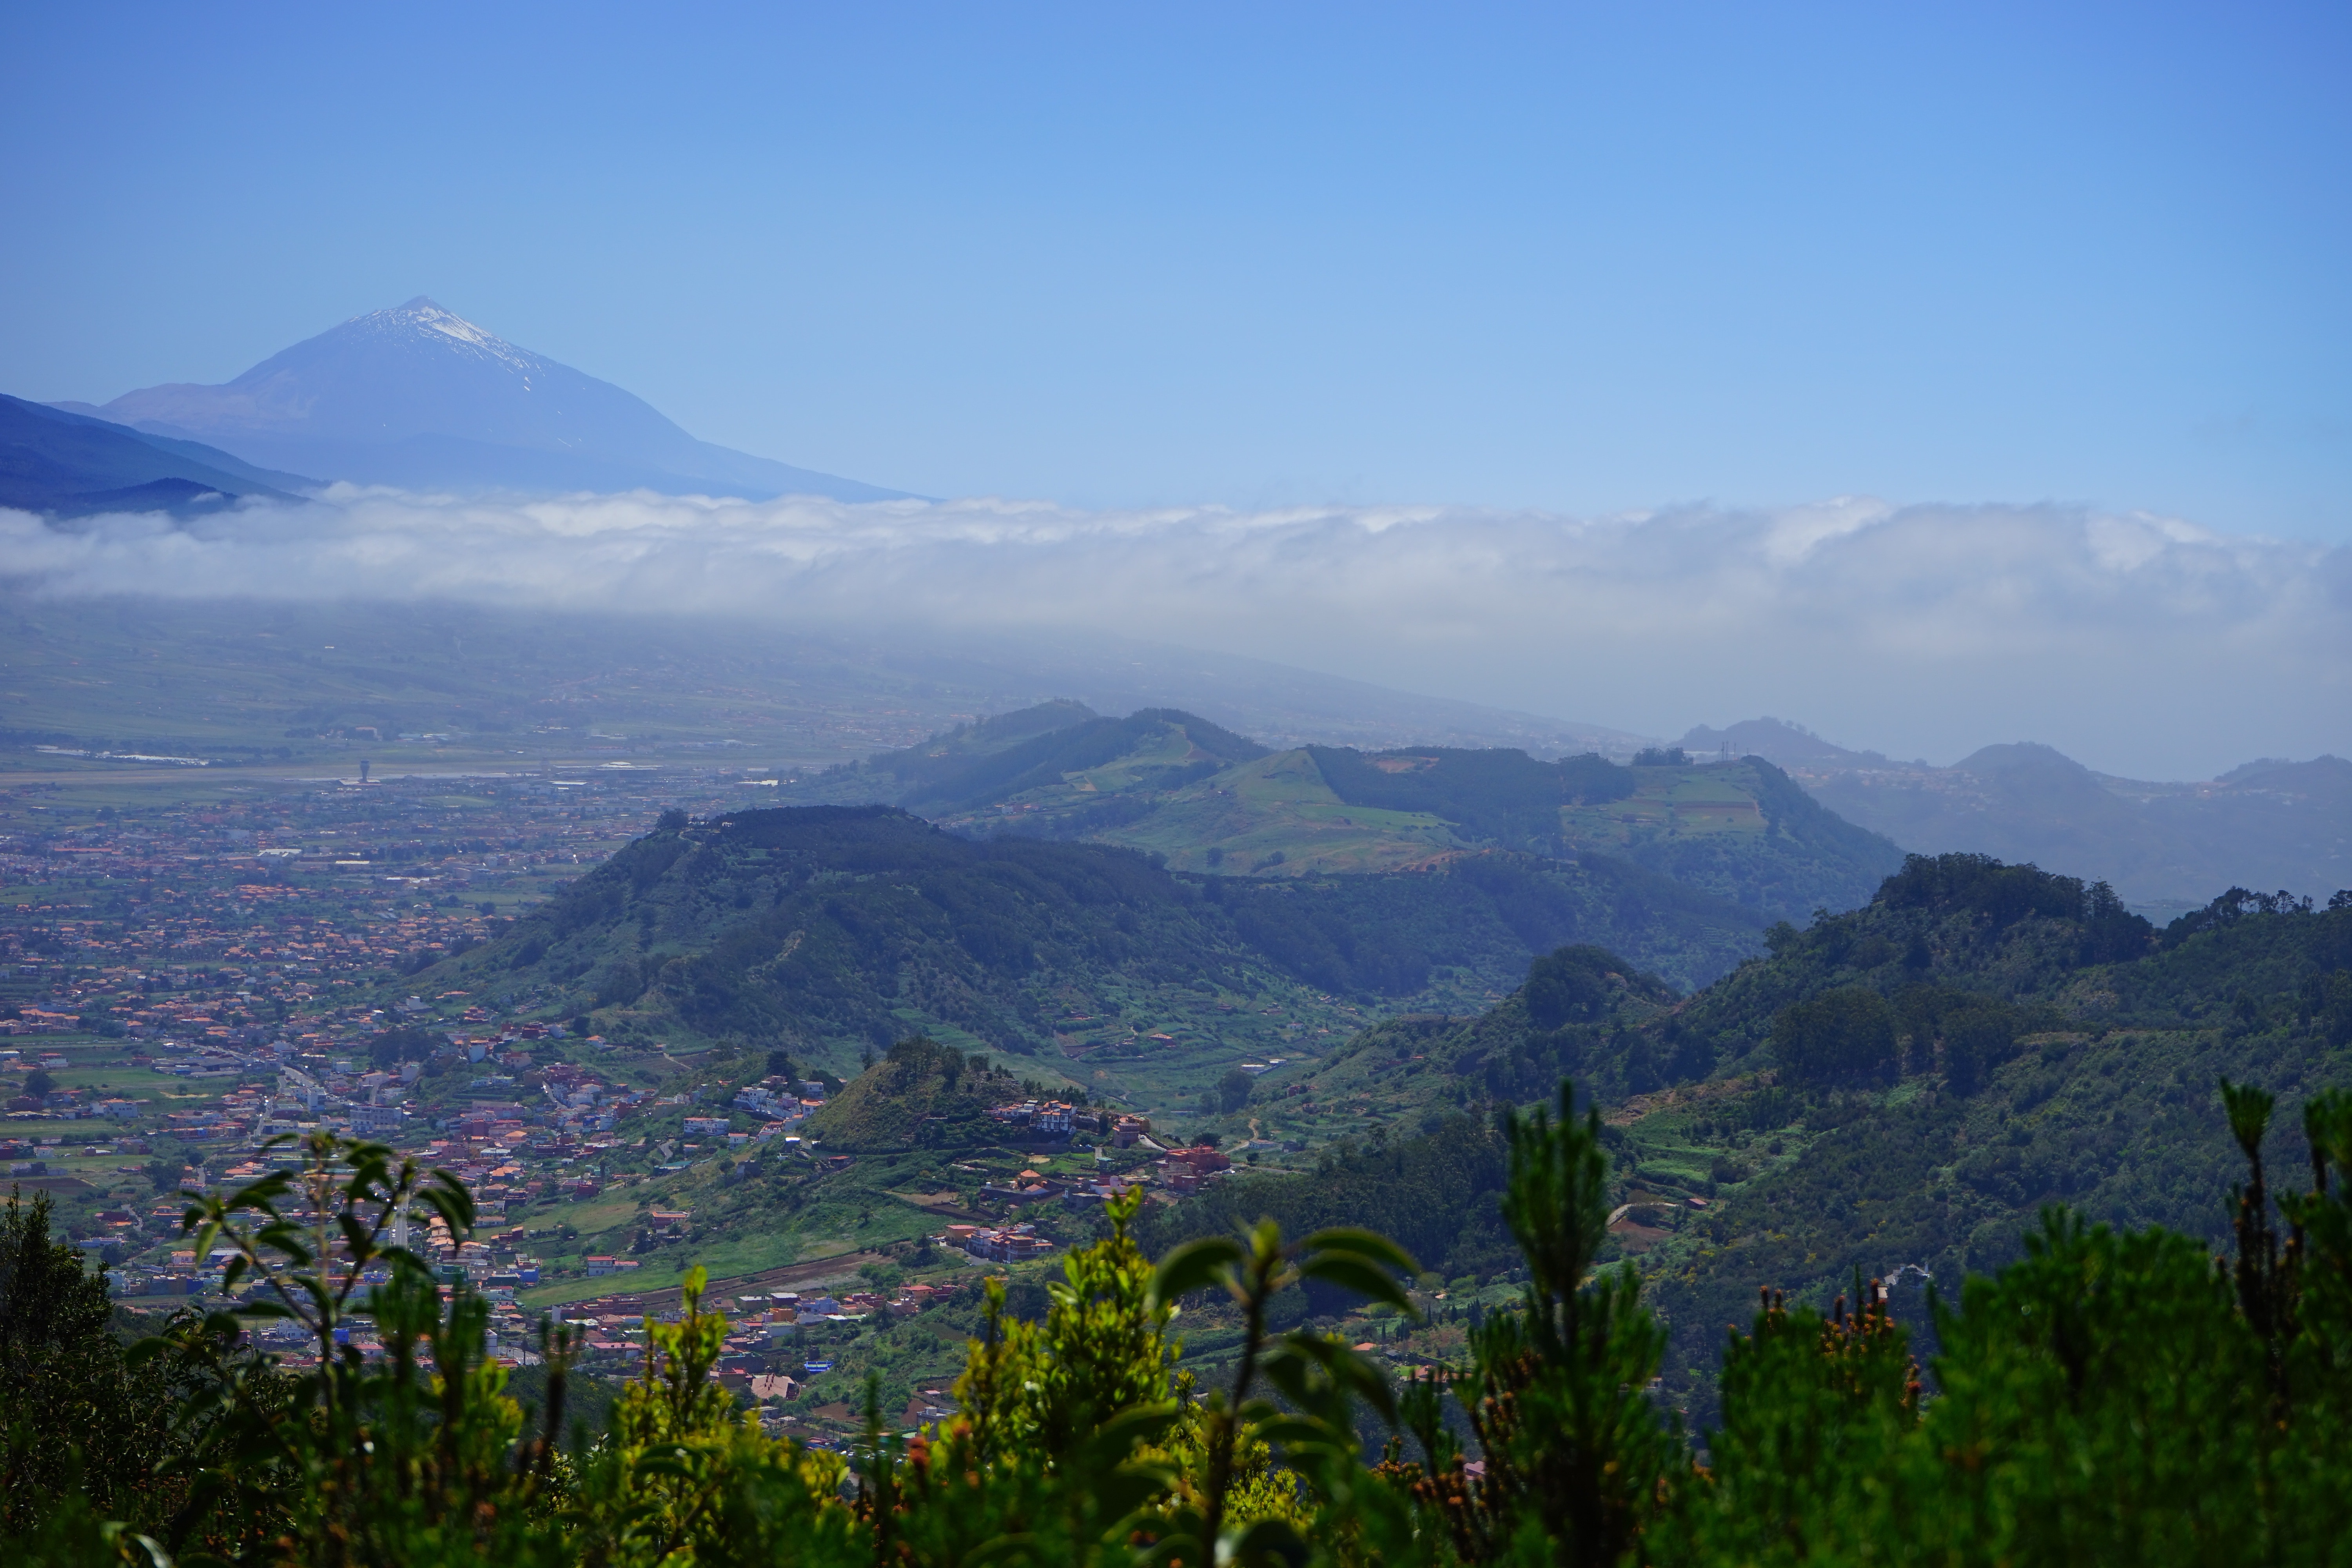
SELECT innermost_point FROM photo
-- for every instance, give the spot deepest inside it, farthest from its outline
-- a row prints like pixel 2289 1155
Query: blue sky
pixel 1564 257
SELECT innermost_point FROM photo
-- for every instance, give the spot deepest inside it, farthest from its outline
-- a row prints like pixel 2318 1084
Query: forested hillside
pixel 828 932
pixel 1897 1091
pixel 887 778
pixel 1910 1084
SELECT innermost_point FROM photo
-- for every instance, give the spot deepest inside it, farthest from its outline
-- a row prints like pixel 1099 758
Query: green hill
pixel 1874 1111
pixel 1897 1089
pixel 1209 801
pixel 829 931
pixel 920 1094
pixel 888 778
pixel 1150 751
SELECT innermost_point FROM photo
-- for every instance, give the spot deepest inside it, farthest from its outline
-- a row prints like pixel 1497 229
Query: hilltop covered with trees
pixel 819 929
pixel 1907 1084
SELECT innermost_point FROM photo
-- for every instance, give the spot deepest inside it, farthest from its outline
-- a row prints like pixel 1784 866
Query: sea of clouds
pixel 2141 645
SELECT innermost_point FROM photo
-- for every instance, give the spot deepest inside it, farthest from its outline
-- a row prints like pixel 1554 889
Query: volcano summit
pixel 420 398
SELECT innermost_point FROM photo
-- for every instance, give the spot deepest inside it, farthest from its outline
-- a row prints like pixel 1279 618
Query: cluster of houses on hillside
pixel 610 1333
pixel 1187 1170
pixel 1042 1118
pixel 780 1100
pixel 1008 1244
pixel 1049 1119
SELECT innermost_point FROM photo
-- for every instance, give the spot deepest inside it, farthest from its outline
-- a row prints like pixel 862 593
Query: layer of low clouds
pixel 2140 645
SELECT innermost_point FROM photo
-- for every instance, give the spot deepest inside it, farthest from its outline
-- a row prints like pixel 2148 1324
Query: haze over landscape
pixel 844 664
pixel 457 467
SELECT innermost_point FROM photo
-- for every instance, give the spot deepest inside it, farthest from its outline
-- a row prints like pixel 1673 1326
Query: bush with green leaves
pixel 2111 1397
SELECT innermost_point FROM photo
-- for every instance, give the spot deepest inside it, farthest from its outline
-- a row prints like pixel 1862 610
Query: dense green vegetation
pixel 2110 1396
pixel 825 931
pixel 1387 934
pixel 1433 1192
pixel 919 1094
pixel 1500 796
pixel 1896 1090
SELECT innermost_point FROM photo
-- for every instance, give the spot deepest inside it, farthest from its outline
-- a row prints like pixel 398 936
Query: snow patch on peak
pixel 421 314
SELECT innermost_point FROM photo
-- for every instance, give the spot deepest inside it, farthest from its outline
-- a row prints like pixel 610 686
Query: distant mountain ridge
pixel 72 464
pixel 2268 825
pixel 1776 740
pixel 420 398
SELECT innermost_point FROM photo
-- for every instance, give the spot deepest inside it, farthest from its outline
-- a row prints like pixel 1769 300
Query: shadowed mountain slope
pixel 71 465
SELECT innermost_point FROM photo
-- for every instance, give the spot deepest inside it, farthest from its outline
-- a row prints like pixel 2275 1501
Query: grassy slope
pixel 1742 831
pixel 1073 772
pixel 1277 816
pixel 1208 801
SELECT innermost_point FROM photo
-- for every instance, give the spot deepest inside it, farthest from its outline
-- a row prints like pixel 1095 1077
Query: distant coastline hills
pixel 415 397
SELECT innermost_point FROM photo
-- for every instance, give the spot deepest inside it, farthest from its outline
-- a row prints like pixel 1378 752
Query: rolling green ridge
pixel 1154 749
pixel 888 778
pixel 1210 801
pixel 828 932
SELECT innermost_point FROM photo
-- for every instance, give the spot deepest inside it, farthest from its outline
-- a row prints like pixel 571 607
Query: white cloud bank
pixel 2137 644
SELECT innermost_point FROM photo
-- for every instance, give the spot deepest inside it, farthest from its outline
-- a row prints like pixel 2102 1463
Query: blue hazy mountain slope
pixel 1776 740
pixel 2266 825
pixel 53 460
pixel 420 398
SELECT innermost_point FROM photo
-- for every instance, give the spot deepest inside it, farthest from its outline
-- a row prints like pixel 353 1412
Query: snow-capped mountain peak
pixel 418 395
pixel 422 317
